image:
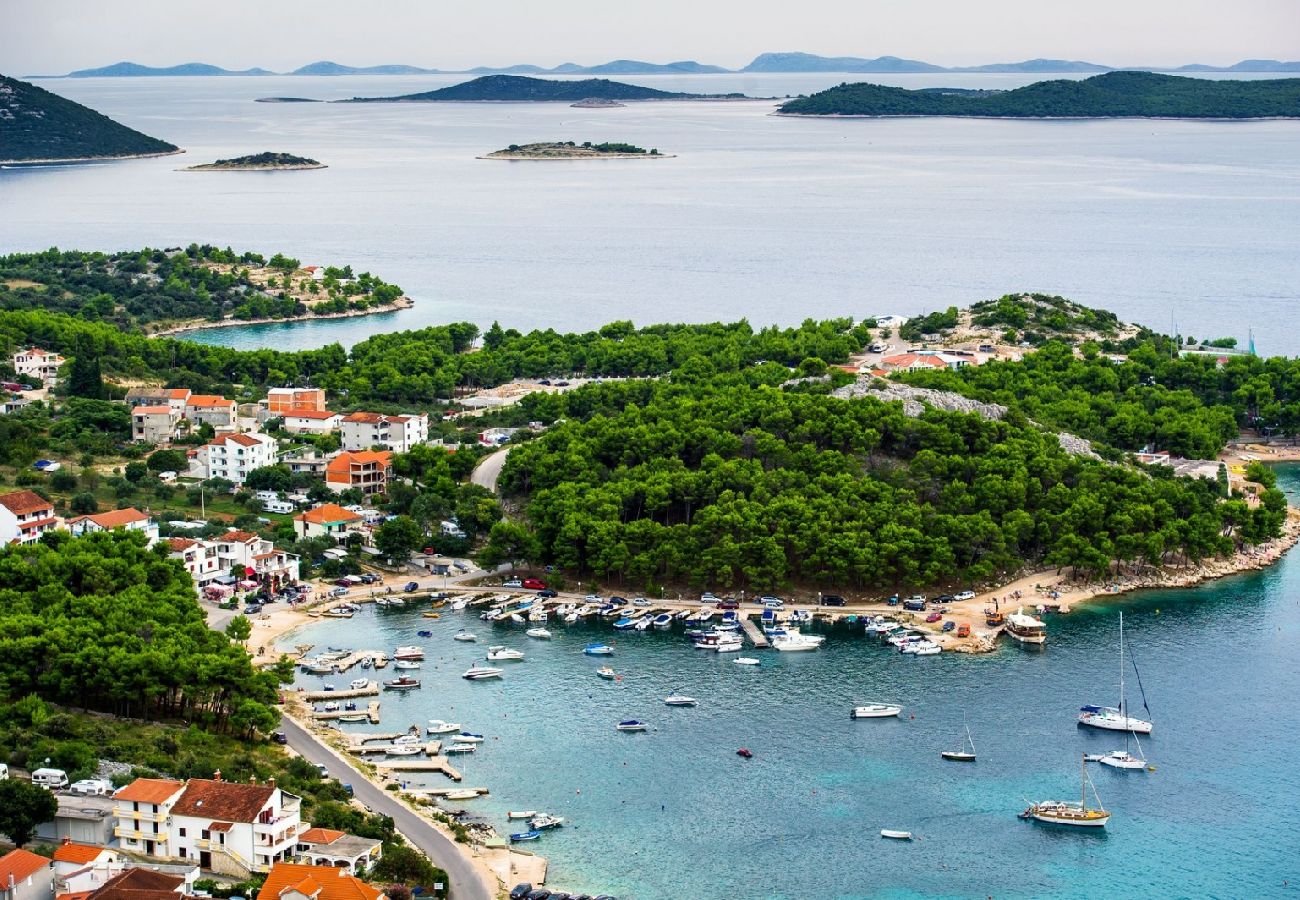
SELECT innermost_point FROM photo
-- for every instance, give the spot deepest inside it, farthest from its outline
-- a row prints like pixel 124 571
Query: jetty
pixel 432 764
pixel 444 791
pixel 370 690
pixel 371 713
pixel 432 748
pixel 753 632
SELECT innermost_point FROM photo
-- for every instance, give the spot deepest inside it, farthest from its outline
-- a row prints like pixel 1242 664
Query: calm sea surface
pixel 767 218
pixel 675 813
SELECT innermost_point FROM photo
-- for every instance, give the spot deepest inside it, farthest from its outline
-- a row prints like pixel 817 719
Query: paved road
pixel 488 470
pixel 466 882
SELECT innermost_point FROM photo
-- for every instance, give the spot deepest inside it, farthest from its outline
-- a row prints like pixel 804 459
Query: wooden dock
pixel 371 712
pixel 442 792
pixel 370 690
pixel 432 764
pixel 753 632
pixel 432 748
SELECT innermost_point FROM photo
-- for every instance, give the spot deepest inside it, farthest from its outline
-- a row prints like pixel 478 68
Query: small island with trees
pixel 572 150
pixel 259 162
pixel 1112 95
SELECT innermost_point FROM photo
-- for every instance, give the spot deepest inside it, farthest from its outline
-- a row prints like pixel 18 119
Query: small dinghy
pixel 746 661
pixel 541 633
pixel 467 794
pixel 598 650
pixel 876 711
pixel 521 814
pixel 424 632
pixel 745 753
pixel 464 635
pixel 895 835
pixel 525 836
pixel 606 673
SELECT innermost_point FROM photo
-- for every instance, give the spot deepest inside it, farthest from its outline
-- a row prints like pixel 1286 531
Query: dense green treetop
pixel 1122 94
pixel 36 124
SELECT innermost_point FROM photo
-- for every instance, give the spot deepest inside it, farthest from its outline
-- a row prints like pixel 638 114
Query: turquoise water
pixel 674 812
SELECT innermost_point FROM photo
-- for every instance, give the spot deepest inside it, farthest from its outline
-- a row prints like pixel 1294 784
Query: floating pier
pixel 370 690
pixel 753 632
pixel 432 748
pixel 432 764
pixel 371 712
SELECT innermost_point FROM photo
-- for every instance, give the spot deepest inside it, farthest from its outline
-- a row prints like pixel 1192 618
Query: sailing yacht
pixel 1067 812
pixel 962 755
pixel 1110 718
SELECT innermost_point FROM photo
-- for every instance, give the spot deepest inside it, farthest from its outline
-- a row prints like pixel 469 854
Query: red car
pixel 934 617
pixel 534 585
pixel 728 604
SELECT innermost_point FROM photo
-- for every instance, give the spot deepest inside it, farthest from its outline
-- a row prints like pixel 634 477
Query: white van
pixel 278 506
pixel 53 779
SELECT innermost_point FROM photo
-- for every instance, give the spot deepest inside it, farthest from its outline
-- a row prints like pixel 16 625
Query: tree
pixel 406 865
pixel 270 478
pixel 23 806
pixel 135 472
pixel 84 504
pixel 167 461
pixel 239 629
pixel 84 376
pixel 397 537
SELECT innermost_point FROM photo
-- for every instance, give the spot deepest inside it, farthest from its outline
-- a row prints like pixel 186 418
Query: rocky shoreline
pixel 397 305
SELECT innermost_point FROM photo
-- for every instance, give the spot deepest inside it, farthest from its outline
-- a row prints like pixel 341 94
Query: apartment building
pixel 129 519
pixel 216 411
pixel 37 363
pixel 369 470
pixel 24 517
pixel 153 424
pixel 233 456
pixel 366 430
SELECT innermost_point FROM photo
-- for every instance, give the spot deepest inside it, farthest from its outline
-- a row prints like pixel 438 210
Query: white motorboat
pixel 1025 628
pixel 1067 812
pixel 467 737
pixel 460 748
pixel 540 633
pixel 521 814
pixel 408 653
pixel 406 664
pixel 480 673
pixel 359 684
pixel 746 661
pixel 876 711
pixel 498 653
pixel 331 706
pixel 438 726
pixel 1111 718
pixel 570 618
pixel 464 635
pixel 921 648
pixel 538 615
pixel 463 794
pixel 402 683
pixel 642 623
pixel 681 700
pixel 409 738
pixel 790 640
pixel 402 750
pixel 729 643
pixel 631 725
pixel 460 603
pixel 543 821
pixel 894 835
pixel 516 618
pixel 598 650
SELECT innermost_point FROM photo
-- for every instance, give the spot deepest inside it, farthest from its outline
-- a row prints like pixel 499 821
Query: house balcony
pixel 131 834
pixel 126 815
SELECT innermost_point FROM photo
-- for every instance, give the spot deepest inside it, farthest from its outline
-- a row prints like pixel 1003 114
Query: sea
pixel 1190 226
pixel 674 812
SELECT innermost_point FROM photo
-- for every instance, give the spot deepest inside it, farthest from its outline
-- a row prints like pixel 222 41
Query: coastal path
pixel 488 470
pixel 467 882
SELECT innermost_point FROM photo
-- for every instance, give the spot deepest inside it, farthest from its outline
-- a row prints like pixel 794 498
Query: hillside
pixel 517 88
pixel 38 125
pixel 1114 94
pixel 135 70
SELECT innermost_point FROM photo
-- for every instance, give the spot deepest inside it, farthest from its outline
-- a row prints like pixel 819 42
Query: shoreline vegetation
pixel 259 162
pixel 70 160
pixel 401 303
pixel 1111 95
pixel 523 89
pixel 571 150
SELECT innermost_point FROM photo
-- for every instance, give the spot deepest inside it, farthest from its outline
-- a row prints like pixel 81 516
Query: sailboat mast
pixel 1121 664
pixel 1083 782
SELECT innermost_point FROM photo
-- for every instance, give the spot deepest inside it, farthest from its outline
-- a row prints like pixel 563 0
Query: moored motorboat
pixel 746 661
pixel 404 683
pixel 876 711
pixel 598 650
pixel 467 737
pixel 894 835
pixel 606 673
pixel 406 664
pixel 464 794
pixel 663 620
pixel 353 718
pixel 438 726
pixel 791 640
pixel 479 673
pixel 540 633
pixel 410 652
pixel 631 725
pixel 625 623
pixel 680 700
pixel 525 836
pixel 402 750
pixel 1025 628
pixel 745 753
pixel 464 635
pixel 521 814
pixel 331 706
pixel 359 684
pixel 460 748
pixel 542 821
pixel 498 653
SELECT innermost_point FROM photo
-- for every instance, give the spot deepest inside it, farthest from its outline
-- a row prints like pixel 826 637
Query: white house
pixel 24 517
pixel 365 430
pixel 153 424
pixel 225 827
pixel 26 876
pixel 233 456
pixel 130 519
pixel 38 363
pixel 326 520
pixel 216 411
pixel 311 421
pixel 258 556
pixel 338 849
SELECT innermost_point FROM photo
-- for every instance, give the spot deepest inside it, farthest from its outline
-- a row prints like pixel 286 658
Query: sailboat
pixel 962 755
pixel 1110 718
pixel 1066 812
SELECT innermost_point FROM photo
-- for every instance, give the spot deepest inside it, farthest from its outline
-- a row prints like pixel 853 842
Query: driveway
pixel 488 470
pixel 466 881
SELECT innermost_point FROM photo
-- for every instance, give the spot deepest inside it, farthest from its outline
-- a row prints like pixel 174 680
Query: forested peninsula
pixel 520 88
pixel 729 456
pixel 177 288
pixel 573 150
pixel 39 126
pixel 259 162
pixel 1112 95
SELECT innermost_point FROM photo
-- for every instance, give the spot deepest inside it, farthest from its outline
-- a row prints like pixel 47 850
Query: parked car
pixel 944 598
pixel 963 630
pixel 964 595
pixel 707 597
pixel 252 609
pixel 773 603
pixel 728 604
pixel 51 779
pixel 512 582
pixel 370 578
pixel 949 625
pixel 280 737
pixel 618 601
pixel 934 616
pixel 534 584
pixel 832 600
pixel 519 891
pixel 641 601
pixel 763 600
pixel 338 592
pixel 915 604
pixel 411 586
pixel 547 592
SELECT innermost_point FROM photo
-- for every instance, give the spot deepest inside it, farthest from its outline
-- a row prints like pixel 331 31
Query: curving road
pixel 488 470
pixel 466 881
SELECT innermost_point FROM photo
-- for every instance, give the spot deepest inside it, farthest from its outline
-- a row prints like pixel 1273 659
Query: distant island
pixel 789 62
pixel 519 88
pixel 571 150
pixel 1112 95
pixel 285 100
pixel 259 162
pixel 38 126
pixel 597 103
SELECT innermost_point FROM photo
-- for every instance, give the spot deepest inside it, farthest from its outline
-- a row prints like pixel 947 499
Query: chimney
pixel 271 781
pixel 216 776
pixel 66 840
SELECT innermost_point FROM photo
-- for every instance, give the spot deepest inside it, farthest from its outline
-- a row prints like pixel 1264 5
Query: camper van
pixel 267 496
pixel 53 779
pixel 277 506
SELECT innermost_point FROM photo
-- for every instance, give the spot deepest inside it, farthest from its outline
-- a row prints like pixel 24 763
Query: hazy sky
pixel 52 36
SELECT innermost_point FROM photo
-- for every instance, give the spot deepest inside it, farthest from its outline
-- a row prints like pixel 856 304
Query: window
pixel 182 850
pixel 182 832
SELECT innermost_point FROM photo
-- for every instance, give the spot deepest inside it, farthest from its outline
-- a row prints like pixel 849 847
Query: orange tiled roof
pixel 238 537
pixel 367 417
pixel 117 518
pixel 327 514
pixel 21 864
pixel 243 440
pixel 20 503
pixel 319 882
pixel 178 393
pixel 77 853
pixel 151 410
pixel 179 544
pixel 320 836
pixel 228 801
pixel 208 400
pixel 149 790
pixel 310 414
